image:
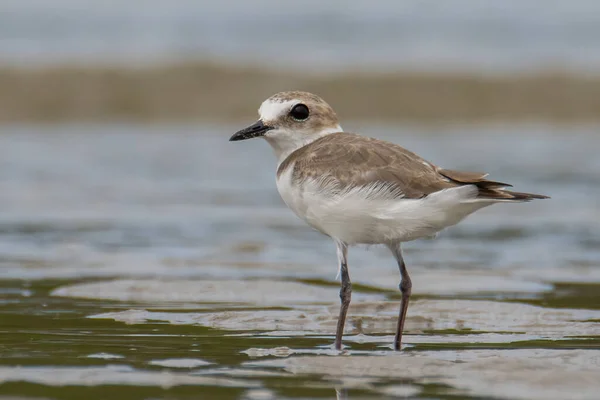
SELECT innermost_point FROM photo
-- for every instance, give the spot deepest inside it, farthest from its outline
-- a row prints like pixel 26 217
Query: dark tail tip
pixel 525 196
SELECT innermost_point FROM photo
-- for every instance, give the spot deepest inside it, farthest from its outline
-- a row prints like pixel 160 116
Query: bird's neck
pixel 285 143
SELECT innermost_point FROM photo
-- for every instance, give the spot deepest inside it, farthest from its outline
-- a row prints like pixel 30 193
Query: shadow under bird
pixel 361 190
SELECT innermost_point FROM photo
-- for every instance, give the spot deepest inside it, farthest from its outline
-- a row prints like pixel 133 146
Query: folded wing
pixel 343 161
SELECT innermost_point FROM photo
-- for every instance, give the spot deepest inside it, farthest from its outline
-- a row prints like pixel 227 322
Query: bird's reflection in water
pixel 341 393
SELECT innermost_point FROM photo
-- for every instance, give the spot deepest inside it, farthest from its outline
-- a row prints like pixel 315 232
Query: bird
pixel 362 190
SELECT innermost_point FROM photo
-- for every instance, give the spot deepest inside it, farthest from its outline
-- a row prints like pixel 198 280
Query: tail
pixel 507 195
pixel 489 190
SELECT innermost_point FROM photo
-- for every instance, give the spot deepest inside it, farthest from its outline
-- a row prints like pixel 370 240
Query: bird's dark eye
pixel 299 112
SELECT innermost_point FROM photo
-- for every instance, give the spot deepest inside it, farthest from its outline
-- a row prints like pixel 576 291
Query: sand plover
pixel 360 190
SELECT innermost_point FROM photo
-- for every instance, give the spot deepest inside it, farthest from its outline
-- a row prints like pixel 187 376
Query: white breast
pixel 292 195
pixel 371 214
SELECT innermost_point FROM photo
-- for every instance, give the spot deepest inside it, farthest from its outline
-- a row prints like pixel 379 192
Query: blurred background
pixel 140 250
pixel 69 60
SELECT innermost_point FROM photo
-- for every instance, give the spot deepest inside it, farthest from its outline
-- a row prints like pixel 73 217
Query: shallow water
pixel 145 262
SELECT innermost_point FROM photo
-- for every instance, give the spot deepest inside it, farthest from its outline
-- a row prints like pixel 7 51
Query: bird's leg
pixel 345 293
pixel 405 289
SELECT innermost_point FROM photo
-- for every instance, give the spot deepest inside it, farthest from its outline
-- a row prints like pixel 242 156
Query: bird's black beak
pixel 255 130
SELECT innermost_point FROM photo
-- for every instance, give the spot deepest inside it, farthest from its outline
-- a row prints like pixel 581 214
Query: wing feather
pixel 346 161
pixel 349 160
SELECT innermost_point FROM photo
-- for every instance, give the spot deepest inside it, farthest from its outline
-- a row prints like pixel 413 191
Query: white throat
pixel 285 142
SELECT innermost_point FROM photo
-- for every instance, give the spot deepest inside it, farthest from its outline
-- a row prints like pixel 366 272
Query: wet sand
pixel 202 91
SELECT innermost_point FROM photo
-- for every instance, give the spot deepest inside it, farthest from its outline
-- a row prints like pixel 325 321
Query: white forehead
pixel 271 110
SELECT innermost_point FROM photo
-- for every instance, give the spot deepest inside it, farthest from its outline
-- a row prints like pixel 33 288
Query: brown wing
pixel 353 160
pixel 350 160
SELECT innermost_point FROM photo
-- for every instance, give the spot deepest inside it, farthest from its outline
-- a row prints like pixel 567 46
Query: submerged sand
pixel 470 347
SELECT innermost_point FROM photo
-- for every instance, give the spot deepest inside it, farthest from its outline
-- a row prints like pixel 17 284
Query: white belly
pixel 368 216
